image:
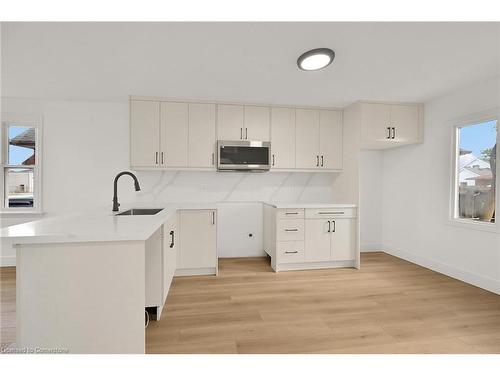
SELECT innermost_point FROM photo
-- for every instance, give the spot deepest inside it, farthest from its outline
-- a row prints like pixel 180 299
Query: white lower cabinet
pixel 317 240
pixel 197 252
pixel 314 238
pixel 170 245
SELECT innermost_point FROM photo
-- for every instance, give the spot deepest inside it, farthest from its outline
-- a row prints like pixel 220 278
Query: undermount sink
pixel 140 211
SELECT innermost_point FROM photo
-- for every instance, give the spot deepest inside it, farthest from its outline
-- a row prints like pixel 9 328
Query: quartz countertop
pixel 309 205
pixel 103 224
pixel 96 225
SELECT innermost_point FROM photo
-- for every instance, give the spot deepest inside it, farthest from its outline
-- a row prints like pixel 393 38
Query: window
pixel 21 165
pixel 476 176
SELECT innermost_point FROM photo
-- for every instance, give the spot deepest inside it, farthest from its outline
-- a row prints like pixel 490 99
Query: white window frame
pixel 7 119
pixel 456 125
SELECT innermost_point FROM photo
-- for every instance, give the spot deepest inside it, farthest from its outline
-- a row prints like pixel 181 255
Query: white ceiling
pixel 248 62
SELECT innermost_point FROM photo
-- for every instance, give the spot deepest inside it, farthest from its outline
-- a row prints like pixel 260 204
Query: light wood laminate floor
pixel 388 306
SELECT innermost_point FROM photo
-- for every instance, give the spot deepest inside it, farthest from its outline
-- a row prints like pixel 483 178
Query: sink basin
pixel 140 211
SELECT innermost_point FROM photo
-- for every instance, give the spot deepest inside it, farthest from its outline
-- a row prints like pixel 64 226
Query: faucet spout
pixel 115 187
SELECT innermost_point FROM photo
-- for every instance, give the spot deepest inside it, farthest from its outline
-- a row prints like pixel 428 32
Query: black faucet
pixel 115 188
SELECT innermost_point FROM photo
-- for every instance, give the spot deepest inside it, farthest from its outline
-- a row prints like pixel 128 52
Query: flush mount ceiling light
pixel 316 59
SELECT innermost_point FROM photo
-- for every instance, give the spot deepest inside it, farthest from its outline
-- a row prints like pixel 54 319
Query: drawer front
pixel 290 252
pixel 290 213
pixel 330 213
pixel 290 230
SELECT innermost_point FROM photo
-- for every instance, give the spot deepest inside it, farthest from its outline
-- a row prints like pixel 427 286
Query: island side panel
pixel 83 297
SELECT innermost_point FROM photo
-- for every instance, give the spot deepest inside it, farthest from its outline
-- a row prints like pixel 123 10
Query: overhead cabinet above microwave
pixel 179 135
pixel 243 123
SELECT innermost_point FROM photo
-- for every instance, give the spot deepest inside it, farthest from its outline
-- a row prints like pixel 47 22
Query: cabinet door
pixel 154 269
pixel 343 239
pixel 317 240
pixel 170 242
pixel 330 139
pixel 174 134
pixel 307 138
pixel 283 138
pixel 256 122
pixel 201 135
pixel 375 119
pixel 144 133
pixel 197 239
pixel 405 120
pixel 230 122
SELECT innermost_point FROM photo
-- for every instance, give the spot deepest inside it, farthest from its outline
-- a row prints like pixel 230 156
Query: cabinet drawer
pixel 290 252
pixel 290 213
pixel 290 230
pixel 328 213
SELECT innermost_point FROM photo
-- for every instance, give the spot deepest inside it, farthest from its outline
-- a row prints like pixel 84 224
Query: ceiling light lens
pixel 316 59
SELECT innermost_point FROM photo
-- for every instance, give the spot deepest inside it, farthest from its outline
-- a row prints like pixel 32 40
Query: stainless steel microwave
pixel 243 156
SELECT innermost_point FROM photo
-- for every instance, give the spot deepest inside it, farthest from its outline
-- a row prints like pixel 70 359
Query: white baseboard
pixel 371 247
pixel 468 277
pixel 8 261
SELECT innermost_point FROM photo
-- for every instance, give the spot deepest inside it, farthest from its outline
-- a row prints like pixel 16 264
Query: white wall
pixel 371 178
pixel 416 196
pixel 87 143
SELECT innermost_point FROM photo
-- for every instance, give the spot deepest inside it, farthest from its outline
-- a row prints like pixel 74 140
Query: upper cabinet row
pixel 183 135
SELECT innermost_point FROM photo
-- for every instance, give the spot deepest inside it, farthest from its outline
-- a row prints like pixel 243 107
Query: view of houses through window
pixel 476 175
pixel 19 169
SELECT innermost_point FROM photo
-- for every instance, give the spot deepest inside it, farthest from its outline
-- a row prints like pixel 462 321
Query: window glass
pixel 476 175
pixel 21 145
pixel 19 187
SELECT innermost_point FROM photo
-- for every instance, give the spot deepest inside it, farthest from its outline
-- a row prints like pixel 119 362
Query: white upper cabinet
pixel 389 125
pixel 307 138
pixel 318 139
pixel 330 141
pixel 283 138
pixel 144 133
pixel 405 120
pixel 256 121
pixel 201 147
pixel 181 135
pixel 230 122
pixel 174 134
pixel 376 120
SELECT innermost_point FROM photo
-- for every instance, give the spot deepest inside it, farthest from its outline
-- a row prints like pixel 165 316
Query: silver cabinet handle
pixel 246 133
pixel 213 158
pixel 156 157
pixel 331 213
pixel 321 160
pixel 213 217
pixel 329 227
pixel 162 157
pixel 388 133
pixel 273 160
pixel 291 252
pixel 291 213
pixel 291 230
pixel 241 133
pixel 393 133
pixel 333 221
pixel 317 160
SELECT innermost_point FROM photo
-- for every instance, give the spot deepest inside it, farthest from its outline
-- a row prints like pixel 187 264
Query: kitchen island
pixel 83 281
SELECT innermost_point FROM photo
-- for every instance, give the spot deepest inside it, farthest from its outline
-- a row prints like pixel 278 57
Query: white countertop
pixel 309 205
pixel 96 225
pixel 103 225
